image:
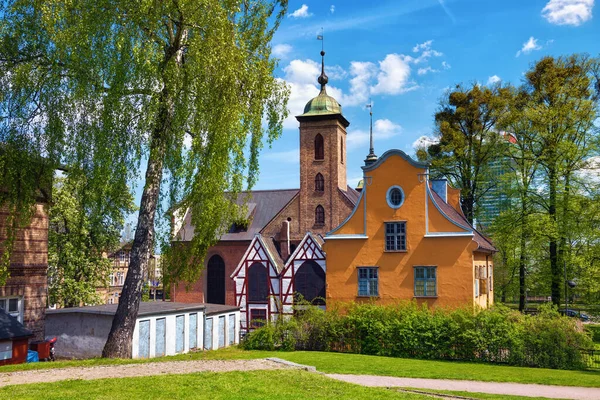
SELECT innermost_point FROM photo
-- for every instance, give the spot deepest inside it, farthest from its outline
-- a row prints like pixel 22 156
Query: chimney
pixel 284 236
pixel 440 186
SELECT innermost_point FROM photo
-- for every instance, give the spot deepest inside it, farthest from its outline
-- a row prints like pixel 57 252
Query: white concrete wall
pixel 170 329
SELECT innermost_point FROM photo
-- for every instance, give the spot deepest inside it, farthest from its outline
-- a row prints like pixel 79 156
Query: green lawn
pixel 485 396
pixel 411 368
pixel 370 365
pixel 265 385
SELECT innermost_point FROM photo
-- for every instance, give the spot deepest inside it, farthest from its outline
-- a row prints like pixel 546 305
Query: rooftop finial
pixel 323 79
pixel 371 157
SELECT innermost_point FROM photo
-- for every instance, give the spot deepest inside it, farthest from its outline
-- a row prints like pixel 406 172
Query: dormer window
pixel 319 183
pixel 319 147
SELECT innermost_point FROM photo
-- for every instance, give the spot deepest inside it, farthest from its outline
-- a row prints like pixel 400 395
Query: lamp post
pixel 566 298
pixel 568 284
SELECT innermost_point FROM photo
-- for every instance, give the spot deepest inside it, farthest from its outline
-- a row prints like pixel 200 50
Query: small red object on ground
pixel 42 347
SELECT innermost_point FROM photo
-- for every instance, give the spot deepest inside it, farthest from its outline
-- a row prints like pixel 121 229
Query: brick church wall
pixel 231 253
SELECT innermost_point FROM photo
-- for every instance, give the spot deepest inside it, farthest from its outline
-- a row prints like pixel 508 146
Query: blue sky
pixel 403 55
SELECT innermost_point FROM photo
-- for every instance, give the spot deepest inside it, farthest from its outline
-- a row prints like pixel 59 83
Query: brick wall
pixel 29 269
pixel 232 253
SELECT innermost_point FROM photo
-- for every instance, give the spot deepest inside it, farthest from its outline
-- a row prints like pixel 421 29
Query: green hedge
pixel 497 335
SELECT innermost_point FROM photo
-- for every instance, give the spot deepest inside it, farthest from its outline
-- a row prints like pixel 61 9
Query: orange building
pixel 407 238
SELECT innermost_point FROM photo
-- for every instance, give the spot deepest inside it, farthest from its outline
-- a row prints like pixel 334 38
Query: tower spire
pixel 371 157
pixel 323 79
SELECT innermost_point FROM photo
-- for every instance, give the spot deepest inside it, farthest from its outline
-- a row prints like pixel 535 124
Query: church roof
pixel 263 205
pixel 351 194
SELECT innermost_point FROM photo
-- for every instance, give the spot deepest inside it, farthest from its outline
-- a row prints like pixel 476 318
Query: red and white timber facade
pixel 257 283
pixel 307 263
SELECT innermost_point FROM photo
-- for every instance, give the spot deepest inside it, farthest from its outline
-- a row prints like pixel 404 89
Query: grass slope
pixel 264 385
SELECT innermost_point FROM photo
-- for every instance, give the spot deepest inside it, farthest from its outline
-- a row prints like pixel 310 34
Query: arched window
pixel 215 280
pixel 319 147
pixel 258 283
pixel 342 150
pixel 309 281
pixel 319 215
pixel 319 183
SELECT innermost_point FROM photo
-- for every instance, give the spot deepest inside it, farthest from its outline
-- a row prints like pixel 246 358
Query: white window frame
pixel 18 314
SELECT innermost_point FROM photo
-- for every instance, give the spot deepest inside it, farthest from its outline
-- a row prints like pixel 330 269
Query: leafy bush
pixel 497 335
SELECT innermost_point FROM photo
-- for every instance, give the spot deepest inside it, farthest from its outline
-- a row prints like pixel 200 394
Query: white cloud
pixel 423 142
pixel 426 52
pixel 492 80
pixel 568 12
pixel 302 12
pixel 382 129
pixel 287 156
pixel 362 73
pixel 332 9
pixel 393 76
pixel 390 76
pixel 424 71
pixel 423 46
pixel 529 46
pixel 445 65
pixel 281 50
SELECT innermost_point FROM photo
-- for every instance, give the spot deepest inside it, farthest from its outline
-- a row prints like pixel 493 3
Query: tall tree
pixel 186 84
pixel 520 156
pixel 467 140
pixel 562 113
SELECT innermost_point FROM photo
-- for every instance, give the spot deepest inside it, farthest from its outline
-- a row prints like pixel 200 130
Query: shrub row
pixel 497 335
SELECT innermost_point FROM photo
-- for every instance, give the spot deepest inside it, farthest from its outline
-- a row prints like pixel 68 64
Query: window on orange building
pixel 425 281
pixel 395 236
pixel 368 281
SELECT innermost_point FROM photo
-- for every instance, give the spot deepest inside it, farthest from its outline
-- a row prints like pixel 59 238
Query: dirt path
pixel 516 389
pixel 133 370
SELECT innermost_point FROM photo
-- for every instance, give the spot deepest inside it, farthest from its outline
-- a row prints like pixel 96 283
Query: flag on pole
pixel 319 37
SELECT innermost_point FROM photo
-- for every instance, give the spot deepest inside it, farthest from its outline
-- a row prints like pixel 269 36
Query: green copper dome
pixel 323 104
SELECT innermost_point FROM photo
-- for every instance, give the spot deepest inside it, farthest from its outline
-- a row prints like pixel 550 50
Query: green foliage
pixel 405 330
pixel 77 239
pixel 146 292
pixel 465 127
pixel 553 222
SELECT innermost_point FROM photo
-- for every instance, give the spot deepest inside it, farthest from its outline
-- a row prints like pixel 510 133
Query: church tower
pixel 322 162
